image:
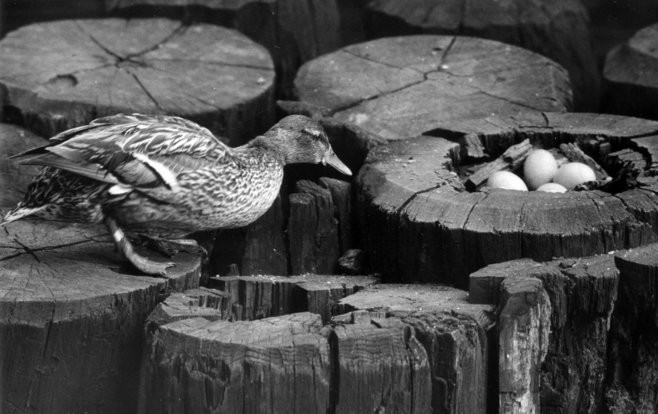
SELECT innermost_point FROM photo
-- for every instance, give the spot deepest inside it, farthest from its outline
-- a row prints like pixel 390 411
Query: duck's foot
pixel 171 248
pixel 150 267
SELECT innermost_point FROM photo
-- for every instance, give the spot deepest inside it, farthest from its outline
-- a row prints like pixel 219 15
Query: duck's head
pixel 299 139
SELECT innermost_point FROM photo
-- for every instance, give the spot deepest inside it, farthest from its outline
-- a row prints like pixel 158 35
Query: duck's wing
pixel 134 152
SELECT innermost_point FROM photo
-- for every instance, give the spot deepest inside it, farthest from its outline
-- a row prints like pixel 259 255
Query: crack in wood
pixel 444 55
pixel 508 100
pixel 212 62
pixel 416 194
pixel 97 42
pixel 179 30
pixel 28 250
pixel 146 91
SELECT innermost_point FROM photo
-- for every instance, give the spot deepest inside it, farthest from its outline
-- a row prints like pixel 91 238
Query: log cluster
pixel 560 32
pixel 420 223
pixel 413 349
pixel 63 74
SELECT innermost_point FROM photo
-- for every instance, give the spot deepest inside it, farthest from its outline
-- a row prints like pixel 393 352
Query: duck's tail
pixel 20 212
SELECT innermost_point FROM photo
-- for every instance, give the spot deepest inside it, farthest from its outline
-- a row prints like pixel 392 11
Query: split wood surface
pixel 412 349
pixel 560 32
pixel 399 87
pixel 292 31
pixel 59 75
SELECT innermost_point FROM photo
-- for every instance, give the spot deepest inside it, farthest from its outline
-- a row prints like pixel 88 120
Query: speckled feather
pixel 165 176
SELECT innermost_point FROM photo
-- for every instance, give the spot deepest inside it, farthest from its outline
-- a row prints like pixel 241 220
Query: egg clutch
pixel 528 166
pixel 541 172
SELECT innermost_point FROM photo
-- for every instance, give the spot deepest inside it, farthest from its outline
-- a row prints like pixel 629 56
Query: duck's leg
pixel 142 264
pixel 171 248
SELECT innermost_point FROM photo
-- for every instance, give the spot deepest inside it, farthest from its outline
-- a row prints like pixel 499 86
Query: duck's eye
pixel 314 132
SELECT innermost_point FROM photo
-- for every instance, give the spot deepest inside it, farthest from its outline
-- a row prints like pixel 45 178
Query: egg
pixel 573 173
pixel 539 168
pixel 552 188
pixel 506 180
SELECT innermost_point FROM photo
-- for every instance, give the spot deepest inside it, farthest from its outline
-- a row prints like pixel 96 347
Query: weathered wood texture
pixel 523 328
pixel 274 365
pixel 256 297
pixel 631 75
pixel 292 31
pixel 63 74
pixel 419 224
pixel 559 32
pixel 14 178
pixel 633 355
pixel 71 318
pixel 400 87
pixel 582 295
pixel 259 248
pixel 379 366
pixel 306 233
pixel 454 334
pixel 319 225
pixel 407 349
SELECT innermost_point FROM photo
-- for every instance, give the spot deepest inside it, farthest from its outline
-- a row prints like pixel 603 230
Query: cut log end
pixel 63 284
pixel 154 66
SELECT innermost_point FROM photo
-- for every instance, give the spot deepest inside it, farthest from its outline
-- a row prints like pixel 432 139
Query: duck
pixel 163 177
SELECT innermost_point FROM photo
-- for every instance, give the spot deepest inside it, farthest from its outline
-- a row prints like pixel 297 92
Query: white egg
pixel 506 180
pixel 573 173
pixel 552 188
pixel 539 168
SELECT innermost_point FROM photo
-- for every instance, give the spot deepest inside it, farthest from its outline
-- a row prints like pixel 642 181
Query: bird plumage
pixel 164 176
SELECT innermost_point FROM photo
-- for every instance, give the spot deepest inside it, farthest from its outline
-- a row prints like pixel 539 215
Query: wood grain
pixel 62 74
pixel 454 333
pixel 292 31
pixel 274 365
pixel 400 87
pixel 523 326
pixel 255 297
pixel 633 357
pixel 559 32
pixel 71 318
pixel 582 295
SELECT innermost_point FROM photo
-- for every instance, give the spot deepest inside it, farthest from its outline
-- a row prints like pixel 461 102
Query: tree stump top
pixel 402 86
pixel 55 271
pixel 415 298
pixel 559 32
pixel 422 224
pixel 269 333
pixel 65 73
pixel 645 256
pixel 274 365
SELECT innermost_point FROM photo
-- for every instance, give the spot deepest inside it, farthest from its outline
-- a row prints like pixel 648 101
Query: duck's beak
pixel 333 160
